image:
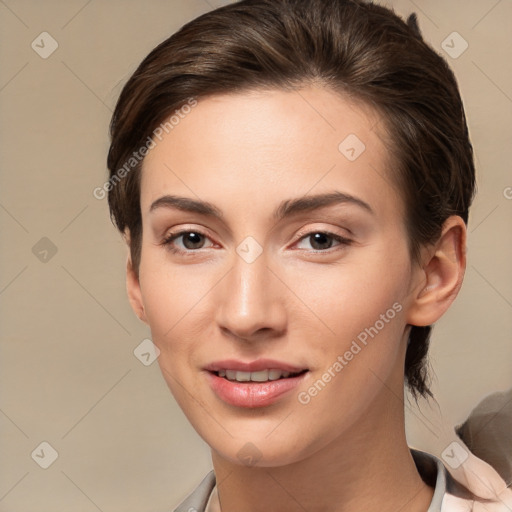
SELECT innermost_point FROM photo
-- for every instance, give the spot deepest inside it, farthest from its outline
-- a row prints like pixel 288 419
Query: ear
pixel 440 275
pixel 133 286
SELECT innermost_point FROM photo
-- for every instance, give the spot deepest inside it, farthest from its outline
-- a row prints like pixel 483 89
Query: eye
pixel 323 240
pixel 190 241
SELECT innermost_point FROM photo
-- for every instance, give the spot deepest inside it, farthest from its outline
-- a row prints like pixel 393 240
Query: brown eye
pixel 322 240
pixel 190 241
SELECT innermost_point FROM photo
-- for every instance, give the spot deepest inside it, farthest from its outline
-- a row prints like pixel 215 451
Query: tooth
pixel 274 374
pixel 243 376
pixel 261 376
pixel 231 374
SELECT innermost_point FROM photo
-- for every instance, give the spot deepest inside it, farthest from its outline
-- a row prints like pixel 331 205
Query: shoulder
pixel 486 432
pixel 455 491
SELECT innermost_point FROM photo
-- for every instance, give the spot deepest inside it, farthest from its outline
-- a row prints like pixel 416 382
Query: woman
pixel 293 181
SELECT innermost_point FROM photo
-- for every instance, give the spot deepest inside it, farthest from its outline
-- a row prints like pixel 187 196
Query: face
pixel 275 273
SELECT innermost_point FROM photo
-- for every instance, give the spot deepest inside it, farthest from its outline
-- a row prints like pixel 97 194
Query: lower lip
pixel 252 394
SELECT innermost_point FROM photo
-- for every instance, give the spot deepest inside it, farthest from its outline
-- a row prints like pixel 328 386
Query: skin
pixel 245 153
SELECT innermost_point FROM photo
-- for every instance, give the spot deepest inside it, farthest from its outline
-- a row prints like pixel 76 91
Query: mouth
pixel 255 384
pixel 259 376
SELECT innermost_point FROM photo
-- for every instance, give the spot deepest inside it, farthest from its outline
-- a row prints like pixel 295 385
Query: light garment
pixel 449 494
pixel 487 432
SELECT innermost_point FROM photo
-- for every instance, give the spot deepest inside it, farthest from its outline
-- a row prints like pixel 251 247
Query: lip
pixel 252 394
pixel 253 366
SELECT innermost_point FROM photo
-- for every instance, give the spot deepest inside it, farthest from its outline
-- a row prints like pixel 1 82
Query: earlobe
pixel 133 290
pixel 442 274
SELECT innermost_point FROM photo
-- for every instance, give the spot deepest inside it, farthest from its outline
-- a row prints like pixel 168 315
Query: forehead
pixel 269 145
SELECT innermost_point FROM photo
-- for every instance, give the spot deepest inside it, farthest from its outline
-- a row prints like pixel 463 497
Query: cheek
pixel 352 295
pixel 172 294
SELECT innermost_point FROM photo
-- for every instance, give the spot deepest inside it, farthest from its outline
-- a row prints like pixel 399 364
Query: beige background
pixel 68 374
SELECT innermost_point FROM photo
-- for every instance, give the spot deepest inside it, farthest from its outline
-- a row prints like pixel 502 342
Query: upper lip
pixel 253 366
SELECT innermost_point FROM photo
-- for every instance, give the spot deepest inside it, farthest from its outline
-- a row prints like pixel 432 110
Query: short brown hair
pixel 352 46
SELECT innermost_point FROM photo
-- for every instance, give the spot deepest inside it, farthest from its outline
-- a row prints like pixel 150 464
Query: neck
pixel 369 468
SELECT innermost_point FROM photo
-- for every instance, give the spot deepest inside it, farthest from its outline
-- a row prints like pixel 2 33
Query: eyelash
pixel 167 242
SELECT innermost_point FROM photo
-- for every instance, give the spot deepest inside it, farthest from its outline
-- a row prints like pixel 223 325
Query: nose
pixel 251 303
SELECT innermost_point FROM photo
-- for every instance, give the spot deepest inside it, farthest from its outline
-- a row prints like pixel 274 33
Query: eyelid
pixel 326 231
pixel 183 229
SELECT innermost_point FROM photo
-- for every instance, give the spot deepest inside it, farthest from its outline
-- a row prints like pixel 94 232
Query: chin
pixel 259 453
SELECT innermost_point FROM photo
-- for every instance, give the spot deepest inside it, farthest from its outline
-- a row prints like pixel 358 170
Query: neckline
pixel 430 468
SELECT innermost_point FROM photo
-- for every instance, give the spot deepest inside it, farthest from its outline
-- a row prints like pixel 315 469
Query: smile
pixel 255 384
pixel 259 376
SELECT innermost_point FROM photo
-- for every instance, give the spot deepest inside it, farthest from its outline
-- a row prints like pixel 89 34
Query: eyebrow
pixel 286 208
